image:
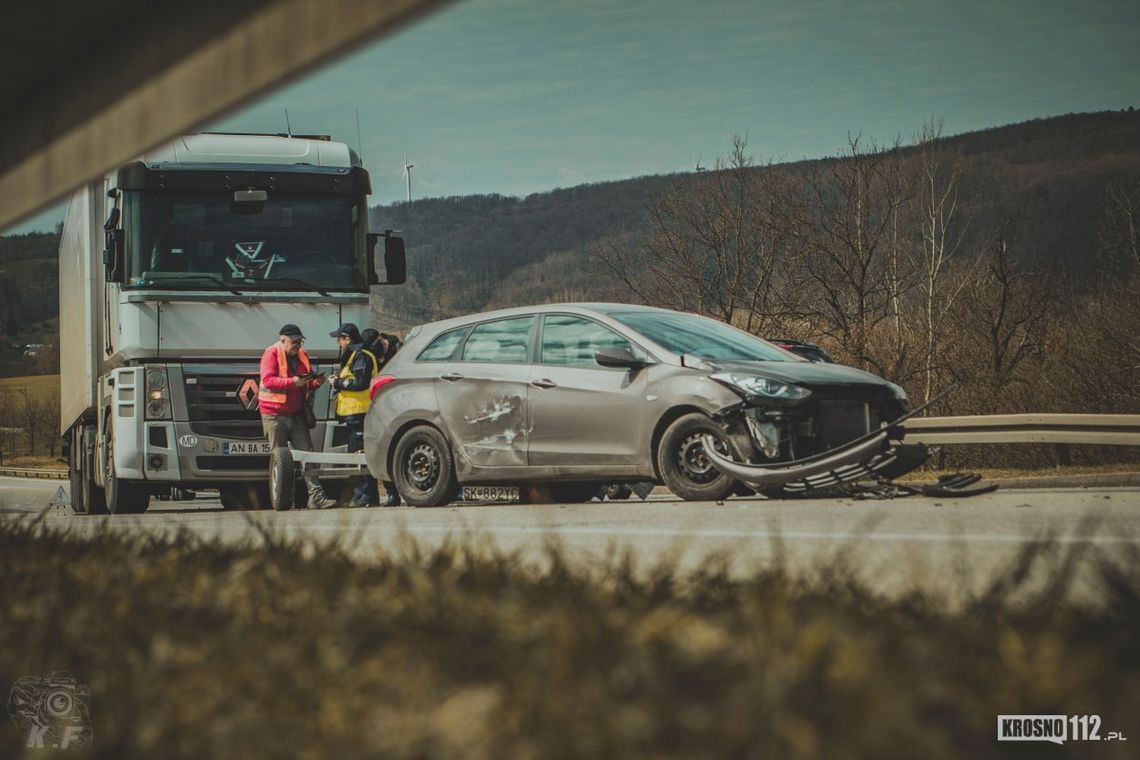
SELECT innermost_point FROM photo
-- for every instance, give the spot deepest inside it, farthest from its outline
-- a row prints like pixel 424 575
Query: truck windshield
pixel 207 241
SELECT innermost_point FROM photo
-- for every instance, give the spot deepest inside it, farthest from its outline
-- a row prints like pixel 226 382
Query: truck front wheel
pixel 123 497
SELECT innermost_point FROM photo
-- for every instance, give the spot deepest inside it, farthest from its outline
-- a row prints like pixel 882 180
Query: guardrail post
pixel 1064 455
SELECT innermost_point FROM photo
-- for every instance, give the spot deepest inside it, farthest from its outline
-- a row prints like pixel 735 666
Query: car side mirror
pixel 618 356
pixel 395 262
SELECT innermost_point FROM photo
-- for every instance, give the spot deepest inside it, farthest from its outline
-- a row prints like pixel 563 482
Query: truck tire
pixel 282 479
pixel 123 496
pixel 423 468
pixel 681 460
pixel 86 497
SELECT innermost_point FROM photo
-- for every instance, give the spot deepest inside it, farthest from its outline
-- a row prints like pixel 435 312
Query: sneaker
pixel 359 503
pixel 321 502
pixel 393 500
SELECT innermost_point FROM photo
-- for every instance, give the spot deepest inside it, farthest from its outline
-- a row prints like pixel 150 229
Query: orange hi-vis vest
pixel 280 397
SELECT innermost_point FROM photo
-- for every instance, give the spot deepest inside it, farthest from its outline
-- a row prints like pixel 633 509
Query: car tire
pixel 683 466
pixel 423 468
pixel 575 493
pixel 282 479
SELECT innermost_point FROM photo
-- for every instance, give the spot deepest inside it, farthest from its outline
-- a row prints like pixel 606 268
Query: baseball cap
pixel 347 330
pixel 291 331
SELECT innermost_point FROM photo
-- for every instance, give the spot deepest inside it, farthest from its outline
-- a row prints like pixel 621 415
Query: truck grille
pixel 228 397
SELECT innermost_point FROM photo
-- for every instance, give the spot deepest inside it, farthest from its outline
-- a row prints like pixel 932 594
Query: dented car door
pixel 483 395
pixel 584 415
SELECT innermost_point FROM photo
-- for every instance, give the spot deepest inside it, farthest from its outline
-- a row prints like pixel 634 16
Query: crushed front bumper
pixel 877 454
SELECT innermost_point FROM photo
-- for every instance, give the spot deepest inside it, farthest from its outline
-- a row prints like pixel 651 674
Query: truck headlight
pixel 157 399
pixel 761 387
pixel 898 392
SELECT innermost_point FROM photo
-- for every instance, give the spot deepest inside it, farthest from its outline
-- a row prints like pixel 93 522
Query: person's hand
pixel 332 380
pixel 320 380
pixel 299 382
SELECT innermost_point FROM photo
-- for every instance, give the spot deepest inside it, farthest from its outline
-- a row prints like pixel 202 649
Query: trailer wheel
pixel 282 478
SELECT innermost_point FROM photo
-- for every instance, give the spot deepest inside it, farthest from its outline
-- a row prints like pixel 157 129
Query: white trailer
pixel 176 272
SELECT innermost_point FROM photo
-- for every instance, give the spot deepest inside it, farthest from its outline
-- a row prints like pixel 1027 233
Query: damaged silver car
pixel 582 395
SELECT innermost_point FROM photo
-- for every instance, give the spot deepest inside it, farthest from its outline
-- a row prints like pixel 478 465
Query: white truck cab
pixel 176 272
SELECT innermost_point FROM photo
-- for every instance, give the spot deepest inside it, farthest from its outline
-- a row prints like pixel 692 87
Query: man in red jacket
pixel 287 378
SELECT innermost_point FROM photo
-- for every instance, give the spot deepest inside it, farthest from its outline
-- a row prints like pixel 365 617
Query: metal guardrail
pixel 27 472
pixel 1096 429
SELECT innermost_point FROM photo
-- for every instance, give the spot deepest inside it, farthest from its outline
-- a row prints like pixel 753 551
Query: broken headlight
pixel 763 388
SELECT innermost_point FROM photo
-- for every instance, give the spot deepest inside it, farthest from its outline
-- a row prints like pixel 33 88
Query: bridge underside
pixel 88 86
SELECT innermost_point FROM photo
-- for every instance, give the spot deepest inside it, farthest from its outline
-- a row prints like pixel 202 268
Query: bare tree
pixel 850 248
pixel 1118 246
pixel 28 413
pixel 942 230
pixel 45 418
pixel 716 245
pixel 1006 315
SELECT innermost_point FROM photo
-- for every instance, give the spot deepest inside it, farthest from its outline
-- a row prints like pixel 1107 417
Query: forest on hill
pixel 1048 176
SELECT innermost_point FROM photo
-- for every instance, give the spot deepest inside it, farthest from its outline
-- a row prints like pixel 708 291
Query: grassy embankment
pixel 280 649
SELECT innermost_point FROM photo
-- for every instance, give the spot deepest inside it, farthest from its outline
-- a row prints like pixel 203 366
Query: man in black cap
pixel 287 379
pixel 358 366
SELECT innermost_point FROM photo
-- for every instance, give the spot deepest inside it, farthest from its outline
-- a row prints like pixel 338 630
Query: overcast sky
pixel 521 96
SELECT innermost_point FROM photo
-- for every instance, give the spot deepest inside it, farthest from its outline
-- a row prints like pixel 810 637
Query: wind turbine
pixel 408 173
pixel 697 164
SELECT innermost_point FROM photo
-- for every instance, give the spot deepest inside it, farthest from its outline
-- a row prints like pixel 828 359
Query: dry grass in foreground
pixel 279 649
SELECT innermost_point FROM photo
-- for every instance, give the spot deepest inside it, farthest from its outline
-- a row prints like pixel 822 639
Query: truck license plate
pixel 490 493
pixel 245 447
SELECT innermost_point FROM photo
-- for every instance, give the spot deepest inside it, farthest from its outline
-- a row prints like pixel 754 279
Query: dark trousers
pixel 365 484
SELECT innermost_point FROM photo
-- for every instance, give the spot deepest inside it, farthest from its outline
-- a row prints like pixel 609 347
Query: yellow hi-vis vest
pixel 355 402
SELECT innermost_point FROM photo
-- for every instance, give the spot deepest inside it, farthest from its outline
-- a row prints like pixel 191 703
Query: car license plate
pixel 490 493
pixel 230 448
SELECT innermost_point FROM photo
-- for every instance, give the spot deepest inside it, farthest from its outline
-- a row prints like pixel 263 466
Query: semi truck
pixel 176 271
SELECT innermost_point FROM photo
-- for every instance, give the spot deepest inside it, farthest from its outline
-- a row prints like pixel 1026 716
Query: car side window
pixel 504 341
pixel 573 341
pixel 441 349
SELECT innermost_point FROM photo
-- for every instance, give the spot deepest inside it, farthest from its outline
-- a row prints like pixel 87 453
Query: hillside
pixel 474 252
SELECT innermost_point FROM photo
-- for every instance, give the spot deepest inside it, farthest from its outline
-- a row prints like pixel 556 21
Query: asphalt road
pixel 951 546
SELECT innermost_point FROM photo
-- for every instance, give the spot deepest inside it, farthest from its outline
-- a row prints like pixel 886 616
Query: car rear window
pixel 504 341
pixel 697 336
pixel 441 349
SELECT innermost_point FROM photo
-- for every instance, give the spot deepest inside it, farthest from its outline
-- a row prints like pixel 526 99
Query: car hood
pixel 801 373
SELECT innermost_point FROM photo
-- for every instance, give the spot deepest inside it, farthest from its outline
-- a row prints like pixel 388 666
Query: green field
pixel 278 648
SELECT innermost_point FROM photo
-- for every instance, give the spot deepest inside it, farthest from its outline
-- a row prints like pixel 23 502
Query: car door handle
pixel 544 383
pixel 452 376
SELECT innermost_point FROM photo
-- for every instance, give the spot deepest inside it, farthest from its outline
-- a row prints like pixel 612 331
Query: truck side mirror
pixel 113 264
pixel 395 262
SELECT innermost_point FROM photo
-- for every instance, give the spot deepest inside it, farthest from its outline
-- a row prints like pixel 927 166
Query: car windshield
pixel 697 336
pixel 209 241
